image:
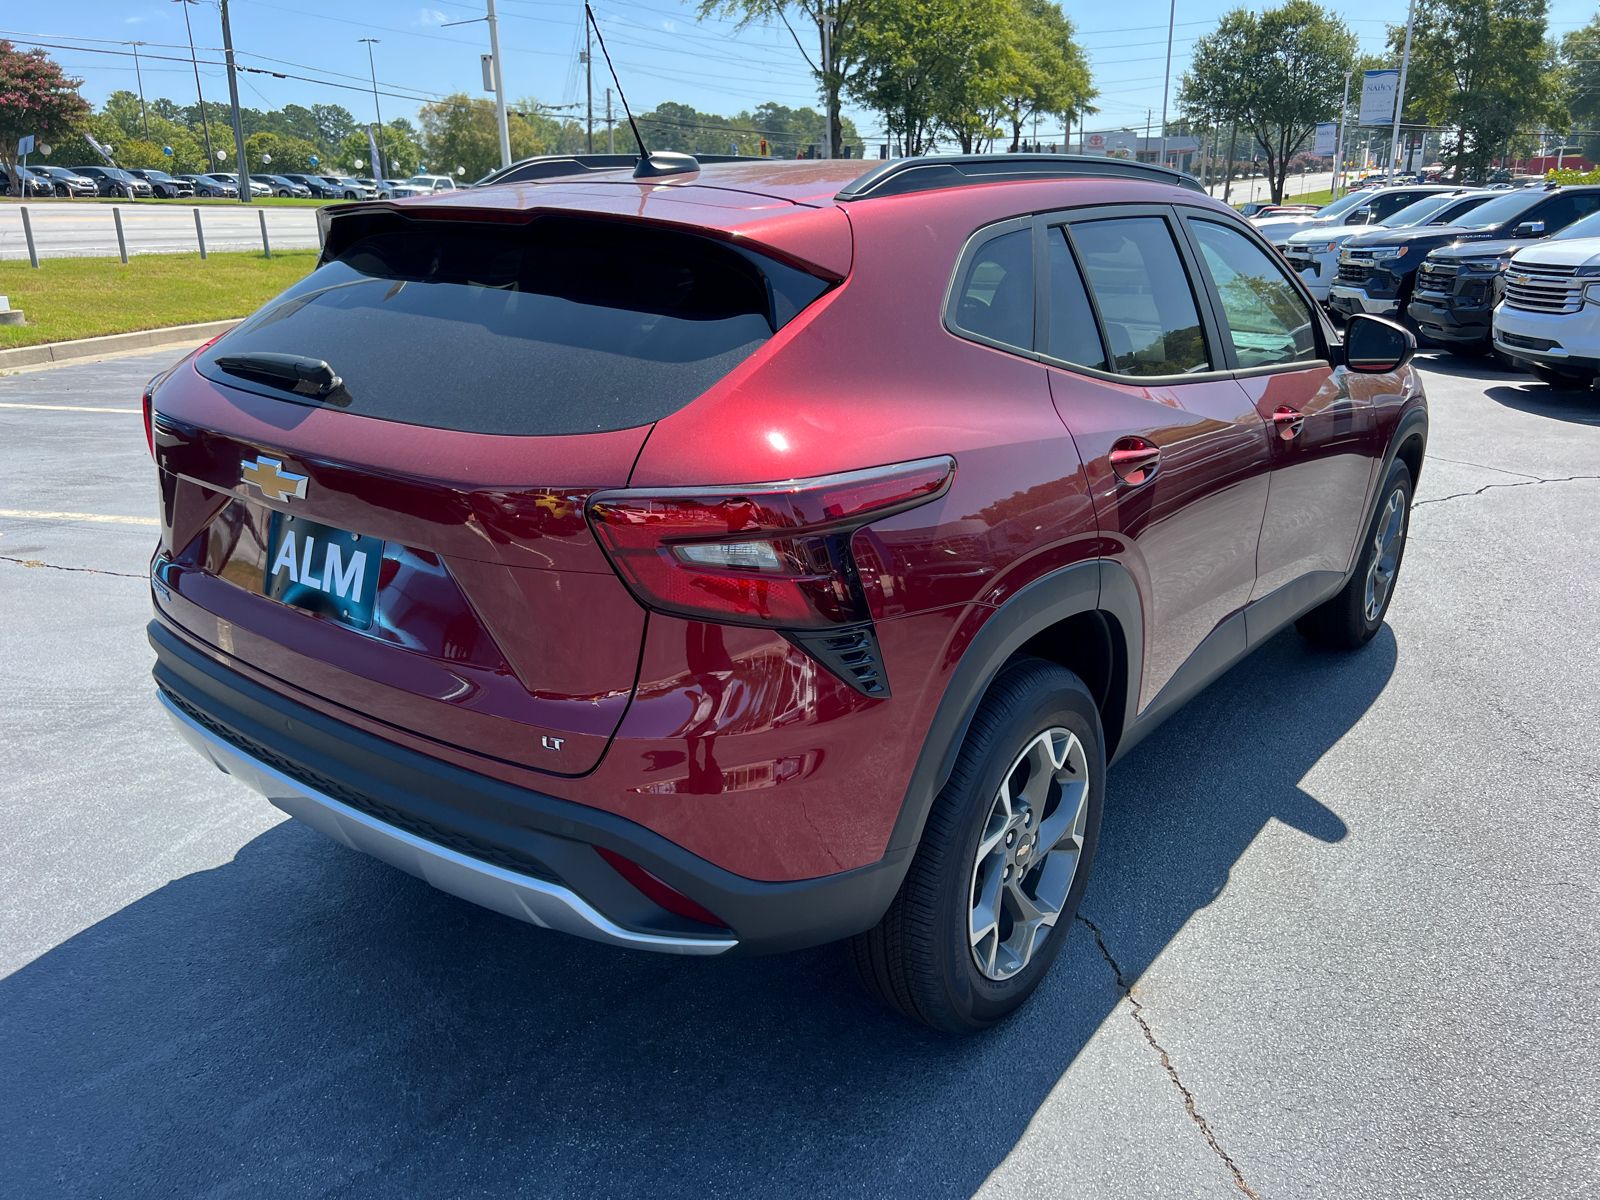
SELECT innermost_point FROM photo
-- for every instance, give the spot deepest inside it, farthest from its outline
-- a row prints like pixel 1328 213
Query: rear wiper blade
pixel 298 373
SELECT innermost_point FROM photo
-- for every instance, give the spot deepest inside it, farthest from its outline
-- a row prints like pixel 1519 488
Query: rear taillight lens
pixel 767 554
pixel 148 403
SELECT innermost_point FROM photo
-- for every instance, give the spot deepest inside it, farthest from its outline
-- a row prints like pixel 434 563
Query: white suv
pixel 1549 316
pixel 431 183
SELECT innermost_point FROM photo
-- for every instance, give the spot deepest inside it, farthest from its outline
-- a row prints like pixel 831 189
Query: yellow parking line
pixel 39 514
pixel 67 408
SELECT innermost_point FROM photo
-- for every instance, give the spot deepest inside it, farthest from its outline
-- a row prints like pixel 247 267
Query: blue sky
pixel 661 50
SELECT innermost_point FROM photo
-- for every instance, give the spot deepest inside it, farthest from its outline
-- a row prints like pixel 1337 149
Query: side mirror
pixel 1374 346
pixel 1529 229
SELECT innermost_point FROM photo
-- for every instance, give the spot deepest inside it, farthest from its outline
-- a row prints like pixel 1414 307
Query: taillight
pixel 767 554
pixel 148 403
pixel 658 891
pixel 147 400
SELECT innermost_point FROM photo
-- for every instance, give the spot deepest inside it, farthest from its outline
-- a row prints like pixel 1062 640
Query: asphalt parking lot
pixel 1343 935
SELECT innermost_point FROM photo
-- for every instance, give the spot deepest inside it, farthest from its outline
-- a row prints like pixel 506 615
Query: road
pixel 65 229
pixel 1260 189
pixel 1354 897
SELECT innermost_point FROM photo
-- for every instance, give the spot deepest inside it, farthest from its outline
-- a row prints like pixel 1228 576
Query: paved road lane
pixel 1353 895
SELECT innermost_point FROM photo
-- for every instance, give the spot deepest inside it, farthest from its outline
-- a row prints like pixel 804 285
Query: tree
pixel 461 132
pixel 288 153
pixel 1482 66
pixel 334 123
pixel 1580 81
pixel 838 26
pixel 1047 72
pixel 36 97
pixel 400 153
pixel 1276 74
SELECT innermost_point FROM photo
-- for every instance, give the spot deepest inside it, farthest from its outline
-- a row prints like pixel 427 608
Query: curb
pixel 114 343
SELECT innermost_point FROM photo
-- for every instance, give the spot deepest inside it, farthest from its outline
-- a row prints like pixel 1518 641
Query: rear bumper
pixel 510 849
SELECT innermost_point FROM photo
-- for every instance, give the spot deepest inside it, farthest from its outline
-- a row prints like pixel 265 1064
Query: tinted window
pixel 1393 202
pixel 1268 321
pixel 1562 211
pixel 1151 323
pixel 1587 227
pixel 995 296
pixel 559 326
pixel 1416 212
pixel 1459 207
pixel 1072 336
pixel 1499 210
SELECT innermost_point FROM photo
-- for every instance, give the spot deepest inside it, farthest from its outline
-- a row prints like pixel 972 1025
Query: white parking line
pixel 33 514
pixel 66 408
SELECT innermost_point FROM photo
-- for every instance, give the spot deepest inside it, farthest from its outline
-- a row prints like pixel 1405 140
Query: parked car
pixel 319 187
pixel 114 181
pixel 804 613
pixel 397 189
pixel 432 183
pixel 346 188
pixel 211 186
pixel 366 182
pixel 25 183
pixel 1354 208
pixel 67 183
pixel 166 187
pixel 282 185
pixel 1453 303
pixel 1314 253
pixel 1548 318
pixel 231 179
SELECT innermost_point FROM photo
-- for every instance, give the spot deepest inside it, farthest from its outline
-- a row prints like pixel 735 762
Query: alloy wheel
pixel 1386 545
pixel 1028 853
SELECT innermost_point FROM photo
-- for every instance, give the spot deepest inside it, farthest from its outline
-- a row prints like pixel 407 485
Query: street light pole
pixel 205 123
pixel 499 87
pixel 144 119
pixel 588 84
pixel 377 166
pixel 245 196
pixel 1166 81
pixel 1400 92
pixel 1338 162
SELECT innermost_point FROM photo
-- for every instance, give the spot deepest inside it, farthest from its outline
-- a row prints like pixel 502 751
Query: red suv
pixel 764 554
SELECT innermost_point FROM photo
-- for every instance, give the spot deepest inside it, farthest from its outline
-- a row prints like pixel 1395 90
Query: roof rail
pixel 902 175
pixel 552 166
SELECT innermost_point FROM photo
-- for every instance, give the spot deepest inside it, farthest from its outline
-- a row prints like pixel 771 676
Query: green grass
pixel 1325 196
pixel 87 297
pixel 269 201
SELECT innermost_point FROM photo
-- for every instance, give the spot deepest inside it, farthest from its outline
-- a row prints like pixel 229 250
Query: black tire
pixel 63 190
pixel 1562 381
pixel 1345 622
pixel 283 193
pixel 351 196
pixel 919 959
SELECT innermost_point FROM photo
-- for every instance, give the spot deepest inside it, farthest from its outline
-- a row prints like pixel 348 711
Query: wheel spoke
pixel 1031 919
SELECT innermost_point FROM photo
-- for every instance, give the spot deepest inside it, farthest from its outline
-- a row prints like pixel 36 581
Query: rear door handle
pixel 1134 460
pixel 1288 422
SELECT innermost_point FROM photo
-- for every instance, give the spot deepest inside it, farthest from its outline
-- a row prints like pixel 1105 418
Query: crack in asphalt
pixel 35 562
pixel 1528 482
pixel 1166 1062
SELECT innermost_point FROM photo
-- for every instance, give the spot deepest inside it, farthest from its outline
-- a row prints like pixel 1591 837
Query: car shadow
pixel 1542 400
pixel 301 1018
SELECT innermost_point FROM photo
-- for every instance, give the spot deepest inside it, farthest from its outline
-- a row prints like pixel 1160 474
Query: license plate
pixel 322 569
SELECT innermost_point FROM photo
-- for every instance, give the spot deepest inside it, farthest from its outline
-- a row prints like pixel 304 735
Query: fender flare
pixel 1099 586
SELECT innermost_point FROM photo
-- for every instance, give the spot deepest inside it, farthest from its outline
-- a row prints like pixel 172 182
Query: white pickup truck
pixel 1549 317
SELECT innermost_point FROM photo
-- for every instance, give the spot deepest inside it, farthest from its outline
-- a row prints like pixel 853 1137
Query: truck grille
pixel 1354 270
pixel 1436 279
pixel 1538 288
pixel 1301 261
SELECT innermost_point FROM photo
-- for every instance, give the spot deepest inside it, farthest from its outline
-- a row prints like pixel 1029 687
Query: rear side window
pixel 1073 335
pixel 1146 303
pixel 555 327
pixel 994 297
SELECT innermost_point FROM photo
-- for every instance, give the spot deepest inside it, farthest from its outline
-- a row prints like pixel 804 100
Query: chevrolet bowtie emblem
pixel 274 482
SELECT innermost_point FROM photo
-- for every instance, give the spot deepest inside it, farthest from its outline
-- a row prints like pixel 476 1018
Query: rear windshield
pixel 559 326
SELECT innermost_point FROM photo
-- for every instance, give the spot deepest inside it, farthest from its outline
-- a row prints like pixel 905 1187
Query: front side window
pixel 1147 307
pixel 994 298
pixel 1268 321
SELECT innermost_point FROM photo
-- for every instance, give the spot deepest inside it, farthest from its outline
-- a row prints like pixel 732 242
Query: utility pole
pixel 1166 81
pixel 377 165
pixel 1227 164
pixel 1338 161
pixel 1400 92
pixel 588 79
pixel 205 123
pixel 499 87
pixel 233 102
pixel 611 128
pixel 827 74
pixel 139 75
